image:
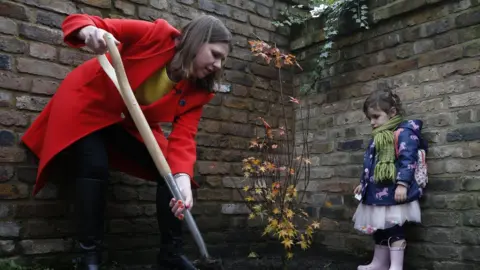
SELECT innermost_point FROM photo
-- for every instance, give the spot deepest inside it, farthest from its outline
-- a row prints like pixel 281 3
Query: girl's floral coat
pixel 409 141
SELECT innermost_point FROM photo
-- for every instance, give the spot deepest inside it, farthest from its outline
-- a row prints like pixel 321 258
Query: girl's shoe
pixel 397 251
pixel 380 261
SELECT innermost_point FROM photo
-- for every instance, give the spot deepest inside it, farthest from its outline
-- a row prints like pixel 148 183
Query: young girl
pixel 172 74
pixel 388 187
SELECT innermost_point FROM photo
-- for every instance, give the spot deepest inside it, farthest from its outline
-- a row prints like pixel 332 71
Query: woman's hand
pixel 93 38
pixel 184 184
pixel 400 193
pixel 358 189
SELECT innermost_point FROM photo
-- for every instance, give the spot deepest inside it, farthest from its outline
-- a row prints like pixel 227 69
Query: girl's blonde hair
pixel 203 29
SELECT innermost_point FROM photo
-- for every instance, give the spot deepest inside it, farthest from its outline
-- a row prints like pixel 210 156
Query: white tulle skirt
pixel 369 218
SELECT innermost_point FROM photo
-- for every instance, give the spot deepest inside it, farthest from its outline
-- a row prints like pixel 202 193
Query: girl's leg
pixel 91 179
pixel 397 245
pixel 381 256
pixel 171 254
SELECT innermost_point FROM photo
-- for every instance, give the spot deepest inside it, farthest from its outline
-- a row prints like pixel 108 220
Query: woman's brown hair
pixel 383 100
pixel 203 29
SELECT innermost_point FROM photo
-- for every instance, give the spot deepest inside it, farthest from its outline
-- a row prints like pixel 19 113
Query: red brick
pixel 13 118
pixel 50 19
pixel 5 62
pixel 60 6
pixel 73 57
pixel 14 11
pixel 42 51
pixel 8 26
pixel 242 4
pixel 13 81
pixel 91 11
pixel 239 90
pixel 98 3
pixel 13 191
pixel 217 8
pixel 210 126
pixel 44 86
pixel 12 45
pixel 125 7
pixel 43 246
pixel 6 174
pixel 239 28
pixel 209 167
pixel 41 33
pixel 184 11
pixel 440 56
pixel 237 103
pixel 264 71
pixel 42 68
pixel 32 103
pixel 206 194
pixel 12 154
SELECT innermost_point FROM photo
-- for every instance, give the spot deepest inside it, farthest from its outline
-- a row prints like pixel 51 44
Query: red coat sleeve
pixel 127 31
pixel 182 148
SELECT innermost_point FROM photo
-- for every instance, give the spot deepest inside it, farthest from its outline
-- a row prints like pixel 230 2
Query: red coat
pixel 87 100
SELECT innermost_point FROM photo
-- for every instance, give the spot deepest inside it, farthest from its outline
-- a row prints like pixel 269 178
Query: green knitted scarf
pixel 385 149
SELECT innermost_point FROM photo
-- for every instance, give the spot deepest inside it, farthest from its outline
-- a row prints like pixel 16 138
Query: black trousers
pixel 91 162
pixel 390 235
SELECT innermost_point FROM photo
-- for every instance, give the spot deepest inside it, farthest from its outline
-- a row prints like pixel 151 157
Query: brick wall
pixel 428 53
pixel 33 61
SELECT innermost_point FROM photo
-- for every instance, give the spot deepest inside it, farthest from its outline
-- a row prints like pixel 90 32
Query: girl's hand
pixel 400 193
pixel 358 189
pixel 183 182
pixel 93 38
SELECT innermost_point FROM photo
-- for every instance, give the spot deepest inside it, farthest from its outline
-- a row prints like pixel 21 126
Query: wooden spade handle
pixel 122 84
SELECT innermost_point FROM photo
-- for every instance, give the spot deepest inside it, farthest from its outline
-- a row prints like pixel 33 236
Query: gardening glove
pixel 184 184
pixel 93 38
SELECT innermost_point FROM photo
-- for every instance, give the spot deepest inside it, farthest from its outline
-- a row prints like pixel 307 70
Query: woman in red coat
pixel 172 74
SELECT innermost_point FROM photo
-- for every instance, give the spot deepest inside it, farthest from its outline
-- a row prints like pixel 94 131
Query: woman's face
pixel 210 59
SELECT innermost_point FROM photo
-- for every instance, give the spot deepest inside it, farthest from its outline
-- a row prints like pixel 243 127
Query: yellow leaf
pixel 289 213
pixel 303 244
pixel 328 204
pixel 287 243
pixel 309 231
pixel 251 216
pixel 246 188
pixel 252 255
pixel 262 169
pixel 316 225
pixel 270 166
pixel 273 222
pixel 258 190
pixel 246 175
pixel 249 199
pixel 289 255
pixel 276 211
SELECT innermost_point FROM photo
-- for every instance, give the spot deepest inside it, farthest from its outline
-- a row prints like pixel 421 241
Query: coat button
pixel 182 102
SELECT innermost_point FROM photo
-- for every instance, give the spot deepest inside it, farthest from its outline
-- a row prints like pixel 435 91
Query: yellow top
pixel 154 87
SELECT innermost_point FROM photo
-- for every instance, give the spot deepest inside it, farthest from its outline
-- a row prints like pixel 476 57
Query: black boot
pixel 171 254
pixel 89 208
